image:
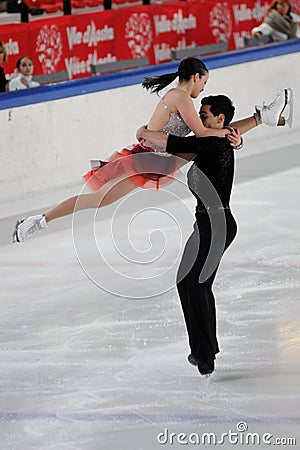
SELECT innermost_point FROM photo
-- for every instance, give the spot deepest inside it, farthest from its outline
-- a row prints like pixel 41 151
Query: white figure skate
pixel 26 227
pixel 273 114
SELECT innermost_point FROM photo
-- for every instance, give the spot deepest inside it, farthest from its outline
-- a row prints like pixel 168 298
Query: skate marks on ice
pixel 84 370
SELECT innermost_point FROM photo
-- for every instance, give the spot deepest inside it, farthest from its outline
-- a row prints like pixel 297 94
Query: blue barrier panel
pixel 104 82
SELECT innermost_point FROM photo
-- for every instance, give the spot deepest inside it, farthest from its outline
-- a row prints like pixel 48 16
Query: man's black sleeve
pixel 189 144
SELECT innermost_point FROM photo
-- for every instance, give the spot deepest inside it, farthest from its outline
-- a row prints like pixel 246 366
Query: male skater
pixel 210 180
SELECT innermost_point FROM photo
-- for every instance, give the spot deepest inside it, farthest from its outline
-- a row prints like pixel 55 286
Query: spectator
pixel 3 57
pixel 280 22
pixel 24 78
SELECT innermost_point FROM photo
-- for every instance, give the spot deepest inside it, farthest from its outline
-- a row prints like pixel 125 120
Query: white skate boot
pixel 27 226
pixel 271 114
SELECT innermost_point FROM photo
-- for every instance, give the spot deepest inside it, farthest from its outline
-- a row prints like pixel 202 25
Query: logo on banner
pixel 243 13
pixel 138 32
pixel 12 47
pixel 91 36
pixel 49 47
pixel 178 23
pixel 220 22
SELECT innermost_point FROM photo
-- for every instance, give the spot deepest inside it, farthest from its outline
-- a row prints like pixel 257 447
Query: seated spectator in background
pixel 280 22
pixel 23 79
pixel 3 57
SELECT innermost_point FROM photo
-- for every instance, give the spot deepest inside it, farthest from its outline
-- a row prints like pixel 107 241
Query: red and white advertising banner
pixel 15 37
pixel 74 42
pixel 295 5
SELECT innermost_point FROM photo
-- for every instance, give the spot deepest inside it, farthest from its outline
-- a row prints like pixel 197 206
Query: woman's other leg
pixel 110 193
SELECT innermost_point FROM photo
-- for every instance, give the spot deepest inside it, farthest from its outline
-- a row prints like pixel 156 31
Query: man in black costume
pixel 210 180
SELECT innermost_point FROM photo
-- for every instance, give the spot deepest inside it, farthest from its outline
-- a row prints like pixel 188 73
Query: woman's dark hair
pixel 187 68
pixel 18 63
pixel 220 104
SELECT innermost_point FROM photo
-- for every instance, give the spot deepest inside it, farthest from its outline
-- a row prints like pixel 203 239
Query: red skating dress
pixel 146 165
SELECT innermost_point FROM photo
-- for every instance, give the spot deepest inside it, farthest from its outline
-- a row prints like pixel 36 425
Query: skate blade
pixel 15 237
pixel 207 376
pixel 281 119
pixel 286 97
pixel 290 104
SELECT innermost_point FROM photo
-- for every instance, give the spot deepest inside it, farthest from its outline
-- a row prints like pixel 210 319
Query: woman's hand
pixel 235 138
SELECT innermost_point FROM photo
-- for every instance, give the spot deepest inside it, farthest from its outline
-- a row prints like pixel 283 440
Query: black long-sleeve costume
pixel 210 180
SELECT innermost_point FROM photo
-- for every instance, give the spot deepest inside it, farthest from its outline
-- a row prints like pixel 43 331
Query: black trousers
pixel 197 298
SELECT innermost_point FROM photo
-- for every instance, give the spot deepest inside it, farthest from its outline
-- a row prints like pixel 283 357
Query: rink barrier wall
pixel 51 132
pixel 103 82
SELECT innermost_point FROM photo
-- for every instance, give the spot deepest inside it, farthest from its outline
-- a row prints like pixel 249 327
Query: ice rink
pixel 86 364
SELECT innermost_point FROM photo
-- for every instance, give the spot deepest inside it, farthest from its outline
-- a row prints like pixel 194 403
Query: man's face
pixel 209 120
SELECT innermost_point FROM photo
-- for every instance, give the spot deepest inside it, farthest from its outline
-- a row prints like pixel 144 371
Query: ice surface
pixel 84 368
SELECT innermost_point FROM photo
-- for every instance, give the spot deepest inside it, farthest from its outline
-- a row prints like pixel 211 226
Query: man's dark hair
pixel 220 104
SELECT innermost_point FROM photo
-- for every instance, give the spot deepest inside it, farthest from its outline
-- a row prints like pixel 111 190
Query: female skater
pixel 175 114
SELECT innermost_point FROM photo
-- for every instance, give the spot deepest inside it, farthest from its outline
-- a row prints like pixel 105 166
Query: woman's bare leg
pixel 245 125
pixel 103 197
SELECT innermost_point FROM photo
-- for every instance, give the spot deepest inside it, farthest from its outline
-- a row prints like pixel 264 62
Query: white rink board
pixel 48 145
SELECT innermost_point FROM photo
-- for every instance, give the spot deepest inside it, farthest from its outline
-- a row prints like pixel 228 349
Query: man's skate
pixel 273 114
pixel 205 369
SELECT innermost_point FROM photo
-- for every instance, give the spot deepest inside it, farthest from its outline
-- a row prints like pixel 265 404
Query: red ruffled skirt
pixel 149 170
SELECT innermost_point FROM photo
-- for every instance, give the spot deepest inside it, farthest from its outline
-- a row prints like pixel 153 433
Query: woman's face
pixel 283 8
pixel 1 55
pixel 26 66
pixel 200 83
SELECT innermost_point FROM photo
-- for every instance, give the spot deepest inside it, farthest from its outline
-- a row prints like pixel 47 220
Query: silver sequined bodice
pixel 175 126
